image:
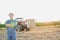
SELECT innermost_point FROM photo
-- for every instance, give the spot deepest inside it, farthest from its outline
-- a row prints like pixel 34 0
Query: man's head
pixel 11 15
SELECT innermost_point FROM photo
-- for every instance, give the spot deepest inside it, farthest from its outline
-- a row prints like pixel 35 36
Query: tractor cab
pixel 21 26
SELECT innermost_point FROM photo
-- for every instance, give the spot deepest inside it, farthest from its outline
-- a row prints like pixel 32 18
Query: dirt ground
pixel 37 33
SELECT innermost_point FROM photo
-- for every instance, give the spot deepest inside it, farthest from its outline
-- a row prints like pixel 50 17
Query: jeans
pixel 11 34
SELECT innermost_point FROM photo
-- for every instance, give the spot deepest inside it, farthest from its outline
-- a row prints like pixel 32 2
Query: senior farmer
pixel 10 24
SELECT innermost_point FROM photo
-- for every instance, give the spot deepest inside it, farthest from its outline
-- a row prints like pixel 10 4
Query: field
pixel 37 33
pixel 54 23
pixel 42 31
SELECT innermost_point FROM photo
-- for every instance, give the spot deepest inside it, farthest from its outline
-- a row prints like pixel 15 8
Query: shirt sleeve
pixel 7 22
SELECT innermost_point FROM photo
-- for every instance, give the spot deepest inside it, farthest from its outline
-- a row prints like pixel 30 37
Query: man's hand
pixel 9 25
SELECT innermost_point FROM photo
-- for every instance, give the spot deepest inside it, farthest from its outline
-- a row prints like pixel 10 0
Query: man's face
pixel 11 15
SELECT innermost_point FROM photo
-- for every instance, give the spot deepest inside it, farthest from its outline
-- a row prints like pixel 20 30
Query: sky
pixel 40 10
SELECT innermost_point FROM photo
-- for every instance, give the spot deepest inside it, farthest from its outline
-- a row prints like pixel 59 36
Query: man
pixel 10 24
